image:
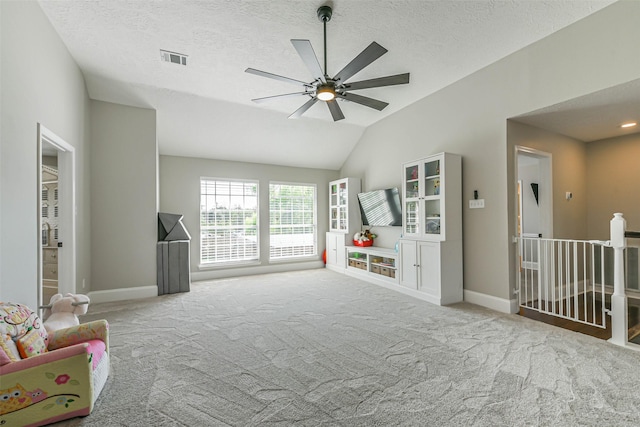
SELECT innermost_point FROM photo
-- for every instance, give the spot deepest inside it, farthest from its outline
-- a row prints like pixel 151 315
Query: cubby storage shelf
pixel 372 263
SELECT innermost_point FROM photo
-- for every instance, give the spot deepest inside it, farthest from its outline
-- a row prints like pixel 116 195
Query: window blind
pixel 228 221
pixel 292 220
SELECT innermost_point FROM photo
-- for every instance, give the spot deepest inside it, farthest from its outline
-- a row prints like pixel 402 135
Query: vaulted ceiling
pixel 205 110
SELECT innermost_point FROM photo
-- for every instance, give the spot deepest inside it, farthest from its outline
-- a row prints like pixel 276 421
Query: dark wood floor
pixel 605 334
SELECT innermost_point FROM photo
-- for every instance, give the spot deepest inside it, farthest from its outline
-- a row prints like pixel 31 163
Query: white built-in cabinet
pixel 431 247
pixel 336 258
pixel 344 220
pixel 344 215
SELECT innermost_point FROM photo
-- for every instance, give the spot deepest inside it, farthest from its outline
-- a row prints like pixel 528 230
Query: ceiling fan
pixel 324 88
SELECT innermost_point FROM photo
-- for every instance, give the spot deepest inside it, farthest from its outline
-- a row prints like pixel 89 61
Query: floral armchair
pixel 45 378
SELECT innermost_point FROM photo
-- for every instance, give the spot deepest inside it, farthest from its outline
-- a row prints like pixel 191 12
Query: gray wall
pixel 613 177
pixel 124 203
pixel 569 163
pixel 180 193
pixel 40 83
pixel 469 118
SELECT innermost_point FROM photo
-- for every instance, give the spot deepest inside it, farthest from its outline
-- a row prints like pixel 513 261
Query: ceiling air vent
pixel 176 58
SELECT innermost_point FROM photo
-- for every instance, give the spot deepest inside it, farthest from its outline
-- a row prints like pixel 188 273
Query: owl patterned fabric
pixel 16 321
pixel 47 393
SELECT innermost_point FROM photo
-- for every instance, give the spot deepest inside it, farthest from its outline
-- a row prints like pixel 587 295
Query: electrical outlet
pixel 476 204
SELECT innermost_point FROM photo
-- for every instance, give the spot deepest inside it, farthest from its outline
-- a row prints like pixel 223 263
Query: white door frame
pixel 545 195
pixel 67 224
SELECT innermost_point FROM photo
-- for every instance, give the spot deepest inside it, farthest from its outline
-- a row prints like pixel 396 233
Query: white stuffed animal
pixel 62 312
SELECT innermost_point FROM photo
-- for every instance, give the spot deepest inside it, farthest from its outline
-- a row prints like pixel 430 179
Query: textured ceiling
pixel 204 109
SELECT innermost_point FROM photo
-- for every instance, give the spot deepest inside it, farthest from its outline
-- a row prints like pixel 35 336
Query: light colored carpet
pixel 317 348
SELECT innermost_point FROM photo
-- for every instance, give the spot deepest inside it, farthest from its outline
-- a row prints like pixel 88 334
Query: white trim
pixel 629 345
pixel 123 294
pixel 336 268
pixel 546 189
pixel 394 286
pixel 250 271
pixel 489 301
pixel 67 189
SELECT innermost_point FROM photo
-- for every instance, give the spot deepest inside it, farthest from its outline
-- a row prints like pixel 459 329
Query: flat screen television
pixel 380 207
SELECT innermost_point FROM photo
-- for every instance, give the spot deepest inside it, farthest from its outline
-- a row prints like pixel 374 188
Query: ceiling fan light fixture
pixel 326 93
pixel 325 88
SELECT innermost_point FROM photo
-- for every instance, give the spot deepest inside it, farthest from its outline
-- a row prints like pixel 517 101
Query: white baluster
pixel 619 320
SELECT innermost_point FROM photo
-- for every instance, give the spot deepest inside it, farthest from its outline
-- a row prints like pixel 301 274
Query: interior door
pixel 50 214
pixel 56 236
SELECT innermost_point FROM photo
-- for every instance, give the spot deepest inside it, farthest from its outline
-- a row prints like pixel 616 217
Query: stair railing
pixel 619 309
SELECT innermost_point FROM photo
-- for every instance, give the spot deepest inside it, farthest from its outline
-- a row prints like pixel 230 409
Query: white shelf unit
pixel 344 220
pixel 378 265
pixel 430 251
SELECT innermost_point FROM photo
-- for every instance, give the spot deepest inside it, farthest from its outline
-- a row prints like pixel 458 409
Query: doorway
pixel 534 186
pixel 56 216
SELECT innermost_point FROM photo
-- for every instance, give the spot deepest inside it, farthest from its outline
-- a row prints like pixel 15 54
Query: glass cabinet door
pixel 422 198
pixel 412 194
pixel 342 195
pixel 339 199
pixel 432 178
pixel 333 195
pixel 411 221
pixel 432 192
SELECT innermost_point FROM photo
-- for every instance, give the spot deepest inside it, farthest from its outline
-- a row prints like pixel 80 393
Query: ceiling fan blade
pixel 398 79
pixel 336 111
pixel 306 52
pixel 275 76
pixel 286 95
pixel 366 57
pixel 364 100
pixel 300 111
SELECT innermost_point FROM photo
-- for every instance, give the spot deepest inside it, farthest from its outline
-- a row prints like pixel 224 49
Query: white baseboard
pixel 336 268
pixel 489 301
pixel 212 274
pixel 123 294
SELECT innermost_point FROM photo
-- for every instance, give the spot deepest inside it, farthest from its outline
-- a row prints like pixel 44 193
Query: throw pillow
pixel 31 344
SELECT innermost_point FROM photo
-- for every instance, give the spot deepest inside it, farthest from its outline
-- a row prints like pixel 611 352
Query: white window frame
pixel 207 263
pixel 273 240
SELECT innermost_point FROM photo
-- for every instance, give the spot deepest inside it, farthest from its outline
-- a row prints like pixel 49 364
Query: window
pixel 292 220
pixel 228 221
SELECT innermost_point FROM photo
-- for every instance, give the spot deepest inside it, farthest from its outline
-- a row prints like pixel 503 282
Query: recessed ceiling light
pixel 628 125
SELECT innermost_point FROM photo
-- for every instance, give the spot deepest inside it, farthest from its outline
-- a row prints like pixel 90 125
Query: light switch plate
pixel 476 204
